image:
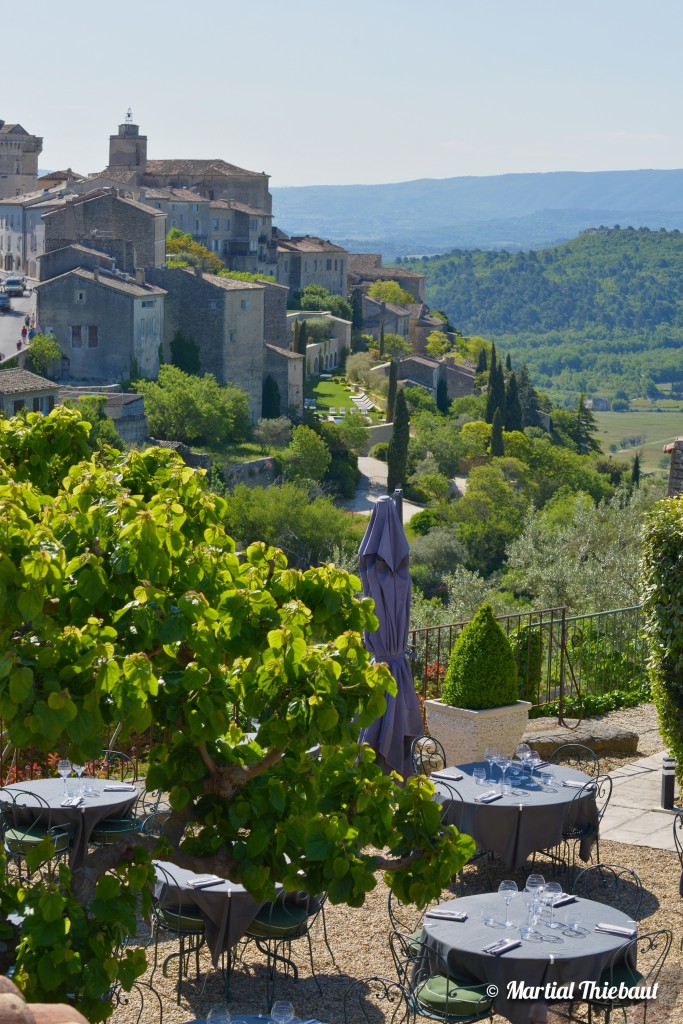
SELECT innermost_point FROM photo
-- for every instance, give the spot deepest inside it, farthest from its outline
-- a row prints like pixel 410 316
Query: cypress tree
pixel 443 402
pixel 270 398
pixel 497 448
pixel 500 391
pixel 482 365
pixel 528 399
pixel 508 363
pixel 397 453
pixel 586 426
pixel 381 341
pixel 295 336
pixel 491 404
pixel 513 408
pixel 393 388
pixel 356 310
pixel 635 471
pixel 303 338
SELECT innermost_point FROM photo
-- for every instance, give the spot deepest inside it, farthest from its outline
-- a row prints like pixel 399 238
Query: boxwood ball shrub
pixel 481 671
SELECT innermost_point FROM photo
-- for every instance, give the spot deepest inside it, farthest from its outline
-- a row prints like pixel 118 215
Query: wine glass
pixel 522 750
pixel 282 1011
pixel 508 888
pixel 64 769
pixel 533 759
pixel 552 891
pixel 79 769
pixel 503 762
pixel 535 884
pixel 218 1015
pixel 490 754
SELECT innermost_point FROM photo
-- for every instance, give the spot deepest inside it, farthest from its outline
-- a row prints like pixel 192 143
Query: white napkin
pixel 576 784
pixel 447 915
pixel 537 765
pixel 616 929
pixel 119 787
pixel 502 946
pixel 447 774
pixel 564 898
pixel 488 798
pixel 72 801
pixel 205 881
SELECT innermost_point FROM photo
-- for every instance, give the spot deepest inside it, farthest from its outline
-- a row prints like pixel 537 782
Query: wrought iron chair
pixel 453 810
pixel 376 1000
pixel 110 830
pixel 406 919
pixel 578 756
pixel 169 914
pixel 678 841
pixel 649 952
pixel 429 988
pixel 427 755
pixel 114 765
pixel 25 823
pixel 612 884
pixel 289 917
pixel 577 830
pixel 137 1002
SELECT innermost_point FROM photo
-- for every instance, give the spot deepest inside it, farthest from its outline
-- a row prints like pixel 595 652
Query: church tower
pixel 128 148
pixel 19 153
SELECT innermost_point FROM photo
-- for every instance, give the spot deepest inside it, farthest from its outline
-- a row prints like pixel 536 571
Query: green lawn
pixel 328 394
pixel 656 428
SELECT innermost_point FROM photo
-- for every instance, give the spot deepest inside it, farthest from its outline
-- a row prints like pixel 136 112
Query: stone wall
pixel 275 327
pixel 225 319
pixel 287 369
pixel 676 467
pixel 110 217
pixel 459 380
pixel 61 261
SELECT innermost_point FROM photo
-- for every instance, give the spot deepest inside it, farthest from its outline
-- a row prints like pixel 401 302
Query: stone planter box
pixel 465 734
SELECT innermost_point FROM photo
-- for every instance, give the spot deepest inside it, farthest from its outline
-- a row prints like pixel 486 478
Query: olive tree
pixel 123 600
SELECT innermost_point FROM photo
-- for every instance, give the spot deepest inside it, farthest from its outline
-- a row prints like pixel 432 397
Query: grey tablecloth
pixel 512 828
pixel 227 909
pixel 559 958
pixel 107 804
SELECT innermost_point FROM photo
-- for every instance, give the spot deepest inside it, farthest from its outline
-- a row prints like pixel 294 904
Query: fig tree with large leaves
pixel 123 600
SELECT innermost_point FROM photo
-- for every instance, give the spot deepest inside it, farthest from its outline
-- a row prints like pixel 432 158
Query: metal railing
pixel 557 655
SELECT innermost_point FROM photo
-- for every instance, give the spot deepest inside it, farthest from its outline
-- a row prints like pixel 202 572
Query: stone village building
pixel 21 389
pixel 19 154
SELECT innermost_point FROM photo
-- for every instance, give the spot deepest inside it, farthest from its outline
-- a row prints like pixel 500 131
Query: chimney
pixel 139 276
pixel 198 271
pixel 96 274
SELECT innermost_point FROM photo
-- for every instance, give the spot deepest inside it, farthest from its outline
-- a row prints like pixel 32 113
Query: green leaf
pixel 20 684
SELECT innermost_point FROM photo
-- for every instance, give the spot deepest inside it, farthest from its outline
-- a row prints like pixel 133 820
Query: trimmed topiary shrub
pixel 379 451
pixel 481 671
pixel 662 582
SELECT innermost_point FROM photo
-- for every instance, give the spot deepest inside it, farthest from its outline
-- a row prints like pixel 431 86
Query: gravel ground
pixel 358 937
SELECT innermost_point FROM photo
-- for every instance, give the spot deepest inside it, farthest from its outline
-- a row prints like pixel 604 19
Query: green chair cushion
pixel 20 840
pixel 619 974
pixel 415 944
pixel 278 921
pixel 180 919
pixel 446 997
pixel 110 830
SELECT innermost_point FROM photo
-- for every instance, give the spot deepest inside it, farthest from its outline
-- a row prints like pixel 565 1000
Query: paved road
pixel 372 485
pixel 11 324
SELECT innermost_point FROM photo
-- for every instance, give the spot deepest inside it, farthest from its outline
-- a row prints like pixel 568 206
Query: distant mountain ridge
pixel 507 211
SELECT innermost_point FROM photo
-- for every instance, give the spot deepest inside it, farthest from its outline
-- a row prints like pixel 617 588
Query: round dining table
pixel 226 907
pixel 109 799
pixel 531 818
pixel 559 957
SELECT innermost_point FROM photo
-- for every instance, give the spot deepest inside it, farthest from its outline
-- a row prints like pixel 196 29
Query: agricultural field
pixel 642 430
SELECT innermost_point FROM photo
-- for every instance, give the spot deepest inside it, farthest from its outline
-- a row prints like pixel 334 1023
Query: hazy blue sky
pixel 314 92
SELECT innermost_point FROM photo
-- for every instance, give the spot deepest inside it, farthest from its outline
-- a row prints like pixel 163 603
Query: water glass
pixel 479 776
pixel 573 923
pixel 546 779
pixel 505 786
pixel 488 917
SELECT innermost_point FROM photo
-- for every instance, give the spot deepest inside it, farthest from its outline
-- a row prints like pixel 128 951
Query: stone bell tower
pixel 128 148
pixel 19 153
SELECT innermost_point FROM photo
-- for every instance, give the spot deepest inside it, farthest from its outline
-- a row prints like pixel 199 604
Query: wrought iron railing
pixel 557 654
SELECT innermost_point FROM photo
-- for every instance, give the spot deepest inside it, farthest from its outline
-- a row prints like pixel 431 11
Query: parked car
pixel 15 284
pixel 5 304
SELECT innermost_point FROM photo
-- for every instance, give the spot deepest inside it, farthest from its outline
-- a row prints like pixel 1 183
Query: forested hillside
pixel 601 313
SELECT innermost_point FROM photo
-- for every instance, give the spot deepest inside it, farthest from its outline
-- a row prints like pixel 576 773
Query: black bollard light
pixel 668 782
